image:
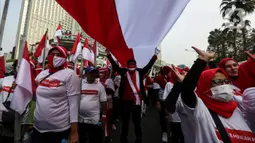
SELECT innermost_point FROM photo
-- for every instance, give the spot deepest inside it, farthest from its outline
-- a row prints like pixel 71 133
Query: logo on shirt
pixel 238 136
pixel 51 83
pixel 89 92
pixel 7 89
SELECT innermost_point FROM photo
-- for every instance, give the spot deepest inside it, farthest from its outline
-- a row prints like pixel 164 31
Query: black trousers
pixel 162 118
pixel 128 108
pixel 89 133
pixel 49 137
pixel 150 94
pixel 115 109
pixel 177 135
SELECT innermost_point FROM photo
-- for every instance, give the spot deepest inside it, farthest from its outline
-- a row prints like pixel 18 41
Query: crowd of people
pixel 207 103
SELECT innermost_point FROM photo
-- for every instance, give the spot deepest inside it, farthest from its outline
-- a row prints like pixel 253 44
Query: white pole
pixel 3 20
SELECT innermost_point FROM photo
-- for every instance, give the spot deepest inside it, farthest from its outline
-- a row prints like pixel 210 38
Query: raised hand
pixel 250 55
pixel 180 77
pixel 203 55
pixel 157 51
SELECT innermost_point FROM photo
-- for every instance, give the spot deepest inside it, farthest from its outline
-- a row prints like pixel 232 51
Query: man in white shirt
pixel 92 105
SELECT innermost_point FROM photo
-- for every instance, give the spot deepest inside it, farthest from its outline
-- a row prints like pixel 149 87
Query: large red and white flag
pixel 131 28
pixel 25 88
pixel 58 34
pixel 2 65
pixel 42 47
pixel 77 48
pixel 87 52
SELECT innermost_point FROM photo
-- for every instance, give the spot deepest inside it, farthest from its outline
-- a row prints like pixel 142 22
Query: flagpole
pixel 44 49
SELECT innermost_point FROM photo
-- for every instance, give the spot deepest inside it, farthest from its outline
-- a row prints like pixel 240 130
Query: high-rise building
pixel 39 15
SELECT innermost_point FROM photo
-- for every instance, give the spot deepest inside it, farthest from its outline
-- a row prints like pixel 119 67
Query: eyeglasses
pixel 220 82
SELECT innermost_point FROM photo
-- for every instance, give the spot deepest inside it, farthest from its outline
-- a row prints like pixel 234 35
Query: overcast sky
pixel 191 29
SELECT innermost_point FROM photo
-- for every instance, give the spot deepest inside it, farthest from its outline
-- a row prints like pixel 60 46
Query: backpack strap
pixel 220 127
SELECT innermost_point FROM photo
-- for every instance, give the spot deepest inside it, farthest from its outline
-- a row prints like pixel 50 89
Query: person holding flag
pixel 131 92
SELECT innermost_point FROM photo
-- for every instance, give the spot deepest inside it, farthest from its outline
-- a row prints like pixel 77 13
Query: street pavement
pixel 150 127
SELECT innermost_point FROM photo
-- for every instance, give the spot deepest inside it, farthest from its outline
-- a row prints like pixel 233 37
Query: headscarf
pixel 223 62
pixel 106 73
pixel 64 53
pixel 203 91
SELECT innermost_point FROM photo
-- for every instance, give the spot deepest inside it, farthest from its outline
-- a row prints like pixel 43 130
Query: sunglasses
pixel 220 82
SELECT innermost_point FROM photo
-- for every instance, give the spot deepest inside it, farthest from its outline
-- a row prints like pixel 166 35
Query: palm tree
pixel 248 6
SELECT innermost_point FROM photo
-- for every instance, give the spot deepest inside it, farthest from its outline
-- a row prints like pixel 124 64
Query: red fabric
pixel 2 66
pixel 77 41
pixel 161 80
pixel 246 74
pixel 173 78
pixel 90 14
pixel 61 49
pixel 41 46
pixel 26 57
pixel 223 62
pixel 203 91
pixel 94 48
pixel 166 70
pixel 128 94
pixel 38 69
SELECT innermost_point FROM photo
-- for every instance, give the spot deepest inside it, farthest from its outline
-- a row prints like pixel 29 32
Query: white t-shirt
pixel 174 117
pixel 155 85
pixel 5 86
pixel 117 80
pixel 52 104
pixel 91 97
pixel 109 84
pixel 198 125
pixel 249 107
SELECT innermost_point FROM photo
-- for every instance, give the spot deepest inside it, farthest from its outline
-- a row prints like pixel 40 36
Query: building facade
pixel 37 16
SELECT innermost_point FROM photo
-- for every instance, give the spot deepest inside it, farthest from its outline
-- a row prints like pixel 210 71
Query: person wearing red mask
pixel 131 91
pixel 242 76
pixel 209 114
pixel 57 101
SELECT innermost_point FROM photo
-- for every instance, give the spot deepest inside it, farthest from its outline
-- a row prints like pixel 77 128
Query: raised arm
pixel 149 65
pixel 114 65
pixel 190 82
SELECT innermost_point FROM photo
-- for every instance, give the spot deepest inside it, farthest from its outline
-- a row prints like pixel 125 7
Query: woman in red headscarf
pixel 57 101
pixel 209 114
pixel 242 76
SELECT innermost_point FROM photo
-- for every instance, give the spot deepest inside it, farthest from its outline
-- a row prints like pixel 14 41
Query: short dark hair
pixel 131 61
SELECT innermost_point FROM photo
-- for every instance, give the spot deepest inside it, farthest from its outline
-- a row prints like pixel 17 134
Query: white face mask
pixel 58 61
pixel 222 92
pixel 131 69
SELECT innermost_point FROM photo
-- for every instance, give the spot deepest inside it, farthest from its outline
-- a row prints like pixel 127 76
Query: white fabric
pixel 57 35
pixel 46 50
pixel 156 85
pixel 77 52
pixel 58 61
pixel 117 80
pixel 52 113
pixel 91 97
pixel 140 18
pixel 109 84
pixel 174 117
pixel 222 93
pixel 199 127
pixel 249 107
pixel 23 92
pixel 88 55
pixel 6 85
pixel 132 85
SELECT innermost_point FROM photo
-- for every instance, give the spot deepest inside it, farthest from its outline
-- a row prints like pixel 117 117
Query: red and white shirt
pixel 5 88
pixel 52 113
pixel 91 97
pixel 198 125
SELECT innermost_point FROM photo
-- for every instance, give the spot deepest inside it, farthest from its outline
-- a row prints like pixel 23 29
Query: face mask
pixel 222 92
pixel 131 67
pixel 55 61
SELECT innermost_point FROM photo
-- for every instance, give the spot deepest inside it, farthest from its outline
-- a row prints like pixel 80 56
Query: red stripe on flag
pixel 41 46
pixel 99 19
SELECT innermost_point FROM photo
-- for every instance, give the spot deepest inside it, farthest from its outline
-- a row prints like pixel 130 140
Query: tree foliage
pixel 232 42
